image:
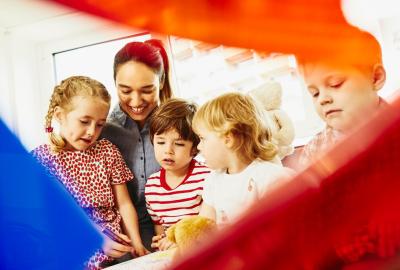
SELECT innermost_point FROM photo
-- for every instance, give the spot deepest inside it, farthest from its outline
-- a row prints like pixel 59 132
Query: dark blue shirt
pixel 138 152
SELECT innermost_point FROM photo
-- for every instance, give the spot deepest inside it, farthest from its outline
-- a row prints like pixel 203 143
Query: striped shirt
pixel 167 206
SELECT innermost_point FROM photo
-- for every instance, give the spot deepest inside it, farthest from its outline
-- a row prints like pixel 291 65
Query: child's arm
pixel 208 211
pixel 129 217
pixel 160 233
pixel 158 229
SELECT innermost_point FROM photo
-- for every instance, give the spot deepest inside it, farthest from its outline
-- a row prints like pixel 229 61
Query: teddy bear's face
pixel 269 95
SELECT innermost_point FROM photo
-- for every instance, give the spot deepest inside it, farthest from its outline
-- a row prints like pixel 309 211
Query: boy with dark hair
pixel 175 191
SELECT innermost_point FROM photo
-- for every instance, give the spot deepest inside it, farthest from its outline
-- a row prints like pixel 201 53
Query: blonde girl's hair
pixel 238 115
pixel 62 97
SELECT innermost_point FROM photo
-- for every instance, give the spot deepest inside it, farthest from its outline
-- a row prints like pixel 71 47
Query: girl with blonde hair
pixel 236 142
pixel 92 170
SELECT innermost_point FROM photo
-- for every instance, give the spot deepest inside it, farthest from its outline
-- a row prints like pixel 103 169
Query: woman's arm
pixel 129 217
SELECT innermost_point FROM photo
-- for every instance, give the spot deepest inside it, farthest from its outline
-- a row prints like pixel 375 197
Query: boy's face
pixel 343 96
pixel 172 152
pixel 81 126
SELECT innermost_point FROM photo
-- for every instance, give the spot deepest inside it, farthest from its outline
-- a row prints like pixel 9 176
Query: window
pixel 95 61
pixel 204 71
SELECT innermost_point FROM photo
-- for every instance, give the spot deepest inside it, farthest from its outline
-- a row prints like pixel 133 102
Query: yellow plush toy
pixel 189 232
pixel 269 95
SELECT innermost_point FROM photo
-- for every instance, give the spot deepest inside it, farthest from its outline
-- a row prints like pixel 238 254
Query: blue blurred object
pixel 41 226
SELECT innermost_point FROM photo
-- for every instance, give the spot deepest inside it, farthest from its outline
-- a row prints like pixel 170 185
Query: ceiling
pixel 17 13
pixel 42 20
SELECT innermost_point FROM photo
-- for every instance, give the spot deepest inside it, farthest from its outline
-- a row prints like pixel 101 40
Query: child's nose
pixel 169 149
pixel 91 130
pixel 325 98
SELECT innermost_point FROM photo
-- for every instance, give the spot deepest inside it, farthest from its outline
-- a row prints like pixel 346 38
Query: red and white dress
pixel 167 206
pixel 88 176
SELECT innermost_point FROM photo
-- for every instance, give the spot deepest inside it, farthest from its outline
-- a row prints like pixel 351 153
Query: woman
pixel 141 72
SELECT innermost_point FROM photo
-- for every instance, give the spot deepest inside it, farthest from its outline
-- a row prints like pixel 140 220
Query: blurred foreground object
pixel 342 211
pixel 304 28
pixel 41 226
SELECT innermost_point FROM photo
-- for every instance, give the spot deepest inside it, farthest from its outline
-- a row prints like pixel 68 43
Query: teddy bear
pixel 189 232
pixel 282 128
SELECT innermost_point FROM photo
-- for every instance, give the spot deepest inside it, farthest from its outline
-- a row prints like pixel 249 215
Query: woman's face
pixel 138 89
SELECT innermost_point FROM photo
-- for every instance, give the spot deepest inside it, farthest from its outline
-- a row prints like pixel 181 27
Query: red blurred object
pixel 342 212
pixel 305 28
pixel 342 209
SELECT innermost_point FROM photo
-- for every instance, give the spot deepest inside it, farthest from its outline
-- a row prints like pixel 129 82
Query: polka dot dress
pixel 88 176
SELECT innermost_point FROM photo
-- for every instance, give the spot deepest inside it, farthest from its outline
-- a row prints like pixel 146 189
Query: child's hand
pixel 140 250
pixel 155 240
pixel 165 244
pixel 115 249
pixel 161 242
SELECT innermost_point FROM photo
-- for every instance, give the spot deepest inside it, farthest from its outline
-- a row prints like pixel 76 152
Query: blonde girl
pixel 92 170
pixel 235 141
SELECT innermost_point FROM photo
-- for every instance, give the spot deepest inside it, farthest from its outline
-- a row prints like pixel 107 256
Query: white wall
pixel 26 66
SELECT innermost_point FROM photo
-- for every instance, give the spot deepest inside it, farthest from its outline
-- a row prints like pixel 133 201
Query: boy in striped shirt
pixel 175 191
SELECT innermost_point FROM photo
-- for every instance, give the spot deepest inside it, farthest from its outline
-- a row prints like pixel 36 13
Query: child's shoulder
pixel 41 150
pixel 154 178
pixel 199 166
pixel 106 145
pixel 262 167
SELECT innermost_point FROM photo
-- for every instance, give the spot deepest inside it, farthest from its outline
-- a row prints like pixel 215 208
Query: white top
pixel 231 194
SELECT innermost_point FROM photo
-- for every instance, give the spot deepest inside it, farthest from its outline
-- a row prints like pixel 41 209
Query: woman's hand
pixel 115 249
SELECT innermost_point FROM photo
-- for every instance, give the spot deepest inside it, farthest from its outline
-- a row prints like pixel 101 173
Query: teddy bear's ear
pixel 171 233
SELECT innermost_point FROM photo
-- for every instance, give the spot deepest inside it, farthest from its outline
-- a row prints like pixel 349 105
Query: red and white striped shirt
pixel 167 206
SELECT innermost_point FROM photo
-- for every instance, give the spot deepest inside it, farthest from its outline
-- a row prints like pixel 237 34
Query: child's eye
pixel 336 84
pixel 84 122
pixel 180 144
pixel 100 125
pixel 315 94
pixel 160 143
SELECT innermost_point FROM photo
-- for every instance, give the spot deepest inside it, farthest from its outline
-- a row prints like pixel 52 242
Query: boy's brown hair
pixel 175 114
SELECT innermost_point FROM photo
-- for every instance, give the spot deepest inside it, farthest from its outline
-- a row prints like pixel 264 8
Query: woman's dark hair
pixel 151 53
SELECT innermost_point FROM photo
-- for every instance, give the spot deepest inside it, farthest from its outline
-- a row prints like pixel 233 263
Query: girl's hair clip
pixel 49 130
